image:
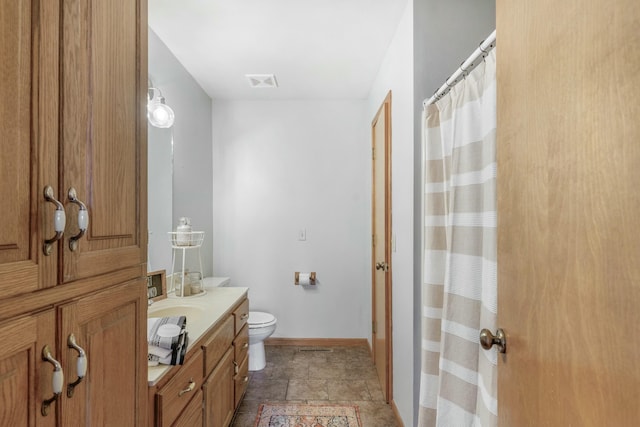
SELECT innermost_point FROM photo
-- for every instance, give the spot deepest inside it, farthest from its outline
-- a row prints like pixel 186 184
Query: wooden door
pixel 28 90
pixel 103 93
pixel 25 379
pixel 568 152
pixel 381 245
pixel 111 327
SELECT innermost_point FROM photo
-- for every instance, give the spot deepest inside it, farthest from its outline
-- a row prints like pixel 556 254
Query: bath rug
pixel 303 415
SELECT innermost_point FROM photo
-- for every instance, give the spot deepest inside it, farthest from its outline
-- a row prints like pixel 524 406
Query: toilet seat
pixel 259 319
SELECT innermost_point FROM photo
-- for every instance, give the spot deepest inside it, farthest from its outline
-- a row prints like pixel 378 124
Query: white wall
pixel 283 166
pixel 396 74
pixel 192 176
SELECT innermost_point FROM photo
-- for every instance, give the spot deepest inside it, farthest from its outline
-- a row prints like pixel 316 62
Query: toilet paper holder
pixel 312 278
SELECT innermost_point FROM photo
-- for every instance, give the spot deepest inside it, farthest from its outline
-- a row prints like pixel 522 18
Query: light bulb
pixel 160 115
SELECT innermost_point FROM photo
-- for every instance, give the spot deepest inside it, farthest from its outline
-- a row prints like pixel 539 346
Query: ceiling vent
pixel 262 80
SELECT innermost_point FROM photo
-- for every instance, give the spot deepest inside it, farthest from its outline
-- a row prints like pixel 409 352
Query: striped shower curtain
pixel 458 384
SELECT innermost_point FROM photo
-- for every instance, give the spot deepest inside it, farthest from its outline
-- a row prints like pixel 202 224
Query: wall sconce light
pixel 159 114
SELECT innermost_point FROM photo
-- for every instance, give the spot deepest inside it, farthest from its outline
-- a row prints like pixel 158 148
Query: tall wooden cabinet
pixel 73 90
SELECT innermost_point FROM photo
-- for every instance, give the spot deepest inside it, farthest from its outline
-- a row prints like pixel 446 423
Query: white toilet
pixel 261 326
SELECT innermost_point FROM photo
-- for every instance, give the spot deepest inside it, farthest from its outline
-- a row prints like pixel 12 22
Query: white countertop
pixel 209 308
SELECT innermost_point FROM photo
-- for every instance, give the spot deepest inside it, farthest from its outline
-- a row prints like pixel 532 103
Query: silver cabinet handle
pixel 81 365
pixel 57 380
pixel 190 387
pixel 245 345
pixel 59 220
pixel 83 218
pixel 244 316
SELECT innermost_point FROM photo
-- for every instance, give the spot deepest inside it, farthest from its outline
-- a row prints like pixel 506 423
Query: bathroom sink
pixel 193 313
pixel 199 317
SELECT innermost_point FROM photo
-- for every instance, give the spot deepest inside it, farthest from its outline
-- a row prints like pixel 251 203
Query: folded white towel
pixel 162 353
pixel 164 349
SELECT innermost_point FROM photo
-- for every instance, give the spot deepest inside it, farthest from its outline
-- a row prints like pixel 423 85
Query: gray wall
pixel 445 34
pixel 192 151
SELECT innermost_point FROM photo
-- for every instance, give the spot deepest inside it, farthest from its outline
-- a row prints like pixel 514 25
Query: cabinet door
pixel 28 90
pixel 111 328
pixel 103 132
pixel 25 379
pixel 218 393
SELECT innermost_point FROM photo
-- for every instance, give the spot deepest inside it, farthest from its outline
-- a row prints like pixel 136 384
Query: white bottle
pixel 183 235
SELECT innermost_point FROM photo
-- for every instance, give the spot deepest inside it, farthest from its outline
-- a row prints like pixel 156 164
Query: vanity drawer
pixel 241 344
pixel 176 394
pixel 217 344
pixel 192 415
pixel 241 315
pixel 241 380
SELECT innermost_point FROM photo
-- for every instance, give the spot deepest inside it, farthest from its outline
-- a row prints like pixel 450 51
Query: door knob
pixel 382 266
pixel 488 340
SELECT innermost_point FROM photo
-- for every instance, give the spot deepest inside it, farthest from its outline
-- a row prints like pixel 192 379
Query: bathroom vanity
pixel 208 387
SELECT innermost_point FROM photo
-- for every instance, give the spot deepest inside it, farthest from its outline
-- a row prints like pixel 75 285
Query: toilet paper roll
pixel 304 279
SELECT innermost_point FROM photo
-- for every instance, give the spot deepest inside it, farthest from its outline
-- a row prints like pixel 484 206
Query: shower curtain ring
pixel 464 72
pixel 484 52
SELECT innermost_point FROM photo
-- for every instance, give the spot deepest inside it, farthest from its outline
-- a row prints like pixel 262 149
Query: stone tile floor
pixel 317 375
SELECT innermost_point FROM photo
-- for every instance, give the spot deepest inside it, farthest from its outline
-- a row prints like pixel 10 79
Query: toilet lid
pixel 259 318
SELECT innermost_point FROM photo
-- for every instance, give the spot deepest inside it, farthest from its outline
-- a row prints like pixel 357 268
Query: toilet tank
pixel 216 282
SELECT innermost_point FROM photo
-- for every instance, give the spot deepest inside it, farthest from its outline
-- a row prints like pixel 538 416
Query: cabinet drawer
pixel 241 380
pixel 192 415
pixel 217 344
pixel 241 344
pixel 174 396
pixel 241 315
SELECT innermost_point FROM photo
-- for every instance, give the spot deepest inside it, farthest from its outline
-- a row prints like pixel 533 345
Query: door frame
pixel 384 112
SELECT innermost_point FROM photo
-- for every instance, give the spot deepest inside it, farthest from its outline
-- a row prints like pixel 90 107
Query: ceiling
pixel 322 49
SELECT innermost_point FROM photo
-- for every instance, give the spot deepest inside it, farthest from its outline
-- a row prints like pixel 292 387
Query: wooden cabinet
pixel 28 119
pixel 221 355
pixel 241 363
pixel 73 116
pixel 241 350
pixel 192 415
pixel 109 328
pixel 218 393
pixel 103 94
pixel 22 372
pixel 176 394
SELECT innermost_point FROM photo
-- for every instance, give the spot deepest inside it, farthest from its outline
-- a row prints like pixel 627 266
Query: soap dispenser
pixel 183 235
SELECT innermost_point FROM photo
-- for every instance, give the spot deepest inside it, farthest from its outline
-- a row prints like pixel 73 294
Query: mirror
pixel 180 165
pixel 159 197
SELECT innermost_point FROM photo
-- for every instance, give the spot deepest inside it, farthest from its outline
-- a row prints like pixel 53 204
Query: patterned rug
pixel 300 415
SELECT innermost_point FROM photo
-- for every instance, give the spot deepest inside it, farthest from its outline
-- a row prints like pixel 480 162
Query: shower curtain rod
pixel 465 68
